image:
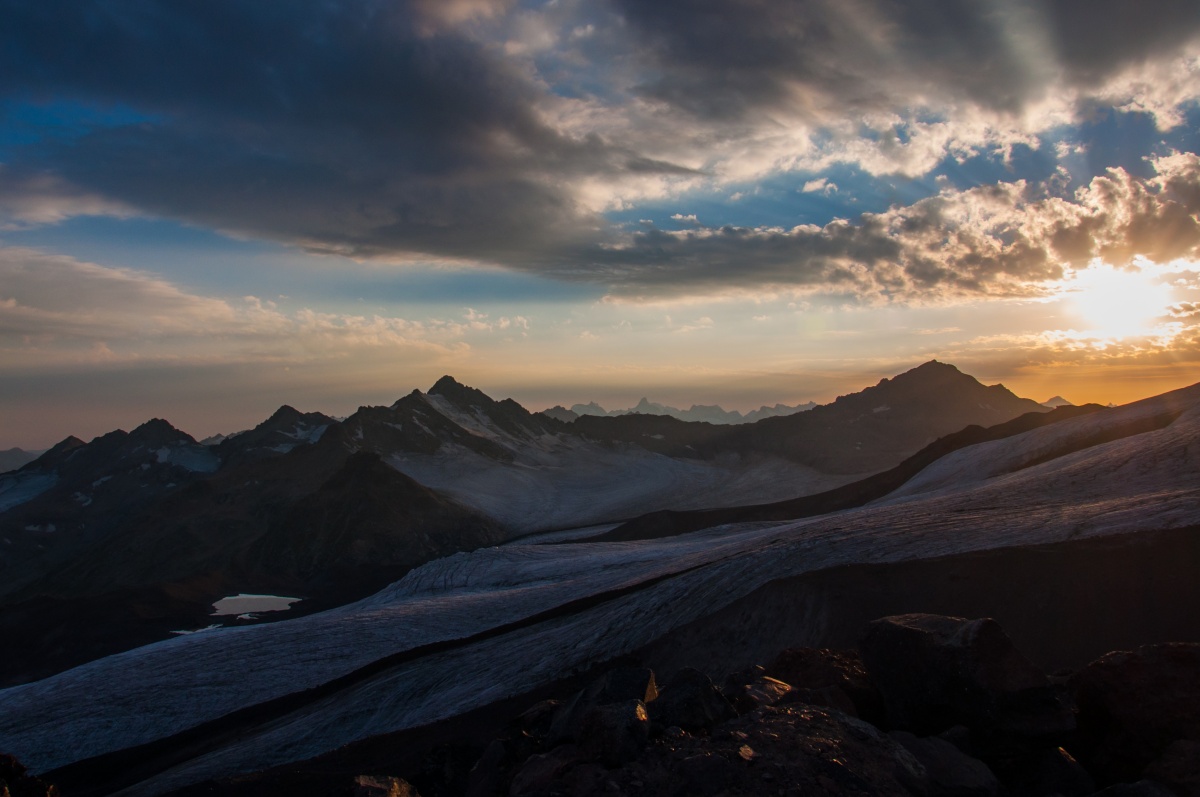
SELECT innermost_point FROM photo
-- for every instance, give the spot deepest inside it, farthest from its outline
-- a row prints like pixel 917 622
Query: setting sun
pixel 1116 303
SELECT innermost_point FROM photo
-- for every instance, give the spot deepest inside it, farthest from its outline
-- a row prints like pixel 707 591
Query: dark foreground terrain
pixel 920 705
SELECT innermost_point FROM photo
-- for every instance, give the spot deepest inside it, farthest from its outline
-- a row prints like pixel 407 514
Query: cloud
pixel 820 185
pixel 59 309
pixel 356 129
pixel 40 198
pixel 484 131
pixel 1003 240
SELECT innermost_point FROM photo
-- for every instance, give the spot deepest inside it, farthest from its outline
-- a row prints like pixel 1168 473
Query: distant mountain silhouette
pixel 701 413
pixel 857 433
pixel 14 458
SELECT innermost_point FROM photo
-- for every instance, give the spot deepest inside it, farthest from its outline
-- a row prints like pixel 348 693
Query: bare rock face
pixel 16 781
pixel 830 678
pixel 951 772
pixel 802 749
pixel 692 702
pixel 936 672
pixel 1134 705
pixel 619 686
pixel 1179 767
pixel 370 786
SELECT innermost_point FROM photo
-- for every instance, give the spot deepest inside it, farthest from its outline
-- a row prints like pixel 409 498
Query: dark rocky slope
pixel 927 706
pixel 862 432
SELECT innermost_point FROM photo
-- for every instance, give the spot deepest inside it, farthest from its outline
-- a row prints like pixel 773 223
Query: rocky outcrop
pixel 15 781
pixel 936 672
pixel 1134 705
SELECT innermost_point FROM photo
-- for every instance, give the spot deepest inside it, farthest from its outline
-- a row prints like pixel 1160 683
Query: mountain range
pixel 304 504
pixel 1078 526
pixel 704 413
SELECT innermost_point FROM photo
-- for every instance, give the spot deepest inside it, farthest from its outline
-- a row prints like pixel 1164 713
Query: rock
pixel 489 772
pixel 827 696
pixel 373 786
pixel 935 672
pixel 820 668
pixel 540 771
pixel 615 733
pixel 800 749
pixel 763 691
pixel 1141 788
pixel 615 686
pixel 951 772
pixel 16 781
pixel 691 702
pixel 1179 767
pixel 1051 772
pixel 1133 705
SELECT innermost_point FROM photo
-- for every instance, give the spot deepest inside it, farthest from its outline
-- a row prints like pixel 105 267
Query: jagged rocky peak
pixel 459 394
pixel 157 432
pixel 286 413
pixel 560 413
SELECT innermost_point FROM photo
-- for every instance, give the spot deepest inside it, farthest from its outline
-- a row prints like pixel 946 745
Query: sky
pixel 209 208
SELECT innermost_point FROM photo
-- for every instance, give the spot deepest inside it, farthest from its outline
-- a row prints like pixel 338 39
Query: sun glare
pixel 1118 304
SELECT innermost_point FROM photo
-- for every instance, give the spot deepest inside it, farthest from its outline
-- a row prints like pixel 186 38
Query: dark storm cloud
pixel 726 58
pixel 392 129
pixel 344 126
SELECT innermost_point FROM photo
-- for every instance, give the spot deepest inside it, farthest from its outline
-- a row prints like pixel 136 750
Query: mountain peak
pixel 156 431
pixel 285 413
pixel 459 394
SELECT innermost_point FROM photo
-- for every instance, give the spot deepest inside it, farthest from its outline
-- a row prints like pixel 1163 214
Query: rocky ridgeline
pixel 933 706
pixel 929 706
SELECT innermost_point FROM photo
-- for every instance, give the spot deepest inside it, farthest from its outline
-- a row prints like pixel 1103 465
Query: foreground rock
pixel 15 781
pixel 936 672
pixel 1134 706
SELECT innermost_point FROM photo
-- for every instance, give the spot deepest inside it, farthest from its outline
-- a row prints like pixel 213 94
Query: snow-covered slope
pixel 641 590
pixel 568 481
pixel 548 478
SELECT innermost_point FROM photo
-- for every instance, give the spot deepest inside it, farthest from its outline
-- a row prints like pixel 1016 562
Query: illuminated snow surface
pixel 973 500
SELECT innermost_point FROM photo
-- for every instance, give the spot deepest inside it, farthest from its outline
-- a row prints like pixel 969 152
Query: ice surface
pixel 21 487
pixel 1148 481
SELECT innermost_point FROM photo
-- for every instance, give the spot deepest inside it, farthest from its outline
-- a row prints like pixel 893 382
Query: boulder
pixel 1141 788
pixel 1049 772
pixel 374 786
pixel 935 672
pixel 1133 705
pixel 951 772
pixel 692 702
pixel 826 696
pixel 15 780
pixel 619 685
pixel 1179 767
pixel 540 771
pixel 821 668
pixel 763 691
pixel 616 732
